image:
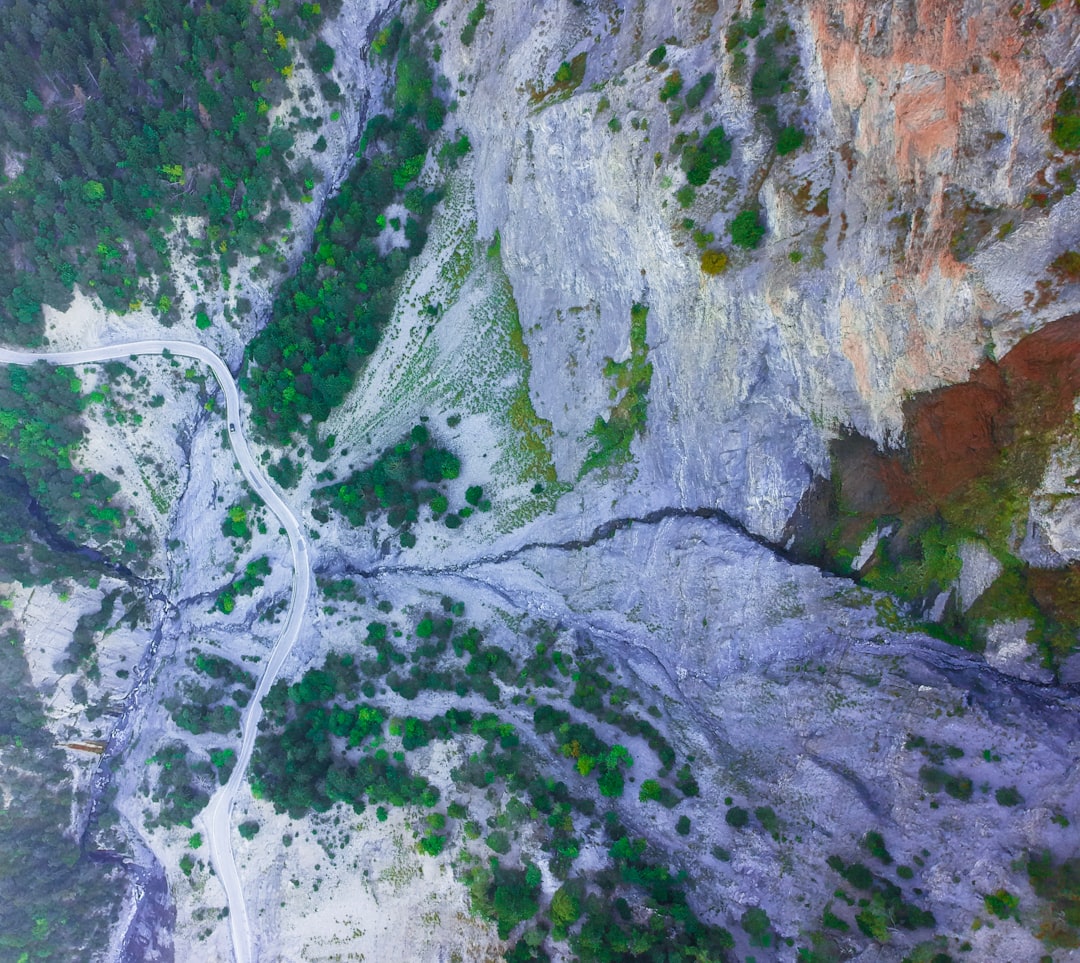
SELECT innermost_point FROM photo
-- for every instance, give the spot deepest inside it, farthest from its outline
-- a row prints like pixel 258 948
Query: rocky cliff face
pixel 910 208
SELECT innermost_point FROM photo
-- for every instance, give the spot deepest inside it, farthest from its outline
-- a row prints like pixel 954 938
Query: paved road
pixel 217 816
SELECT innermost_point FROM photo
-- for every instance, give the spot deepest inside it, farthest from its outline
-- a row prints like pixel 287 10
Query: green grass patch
pixel 632 378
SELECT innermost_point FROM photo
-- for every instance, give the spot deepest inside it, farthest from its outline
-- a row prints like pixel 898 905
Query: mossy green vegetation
pixel 568 77
pixel 1057 885
pixel 1065 129
pixel 626 419
pixel 928 524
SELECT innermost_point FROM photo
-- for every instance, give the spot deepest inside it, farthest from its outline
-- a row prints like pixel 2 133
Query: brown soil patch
pixel 956 434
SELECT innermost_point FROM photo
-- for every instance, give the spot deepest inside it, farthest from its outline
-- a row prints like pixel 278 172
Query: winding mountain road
pixel 217 816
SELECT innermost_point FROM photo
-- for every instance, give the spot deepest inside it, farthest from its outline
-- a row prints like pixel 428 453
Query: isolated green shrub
pixel 696 94
pixel 322 57
pixel 789 140
pixel 1008 796
pixel 874 843
pixel 650 790
pixel 671 86
pixel 468 32
pixel 1002 903
pixel 432 845
pixel 737 817
pixel 746 230
pixel 701 159
pixel 714 262
pixel 755 921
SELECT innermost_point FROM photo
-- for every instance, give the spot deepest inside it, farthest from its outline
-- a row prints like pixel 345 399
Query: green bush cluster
pixel 934 780
pixel 505 896
pixel 295 764
pixel 235 524
pixel 222 669
pixel 200 709
pixel 671 86
pixel 673 931
pixel 400 482
pixel 750 27
pixel 746 230
pixel 81 647
pixel 1057 884
pixel 697 91
pixel 181 786
pixel 430 671
pixel 874 843
pixel 299 764
pixel 885 905
pixel 472 21
pixel 55 900
pixel 591 754
pixel 772 71
pixel 594 693
pixel 40 428
pixel 453 151
pixel 789 140
pixel 131 119
pixel 328 317
pixel 1001 903
pixel 699 160
pixel 255 572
